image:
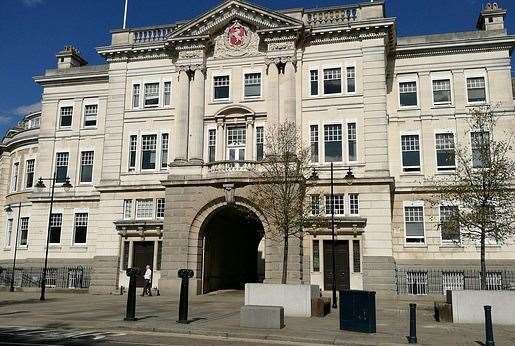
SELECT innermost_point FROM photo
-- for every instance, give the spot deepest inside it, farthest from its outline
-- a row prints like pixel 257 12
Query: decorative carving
pixel 229 193
pixel 281 46
pixel 236 41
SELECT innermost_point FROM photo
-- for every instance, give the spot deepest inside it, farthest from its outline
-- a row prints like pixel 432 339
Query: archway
pixel 232 249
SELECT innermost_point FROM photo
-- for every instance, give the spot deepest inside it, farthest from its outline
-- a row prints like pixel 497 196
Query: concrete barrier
pixel 258 316
pixel 467 306
pixel 295 299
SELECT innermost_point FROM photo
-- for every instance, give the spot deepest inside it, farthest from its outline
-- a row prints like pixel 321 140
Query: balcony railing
pixel 230 166
pixel 332 16
pixel 151 34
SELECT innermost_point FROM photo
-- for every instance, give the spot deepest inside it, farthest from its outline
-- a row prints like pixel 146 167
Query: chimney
pixel 491 18
pixel 69 57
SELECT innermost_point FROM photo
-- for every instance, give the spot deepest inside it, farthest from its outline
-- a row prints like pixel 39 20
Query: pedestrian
pixel 148 284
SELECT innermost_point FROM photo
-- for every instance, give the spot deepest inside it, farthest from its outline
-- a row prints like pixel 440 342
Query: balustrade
pixel 151 35
pixel 332 16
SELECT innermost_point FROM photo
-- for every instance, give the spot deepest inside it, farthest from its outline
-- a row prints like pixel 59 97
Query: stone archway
pixel 231 238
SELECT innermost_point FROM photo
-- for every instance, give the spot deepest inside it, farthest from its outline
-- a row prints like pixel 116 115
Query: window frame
pixel 75 213
pixel 356 140
pixel 439 76
pixel 444 169
pixel 410 78
pixel 420 150
pixel 160 201
pixel 152 212
pixel 15 176
pixel 262 142
pixel 472 131
pixel 165 92
pixel 67 166
pixel 445 242
pixel 317 69
pixel 22 219
pixel 56 212
pixel 415 204
pixel 164 159
pixel 476 74
pixel 88 103
pixel 81 166
pixel 157 161
pixel 246 72
pixel 66 104
pixel 9 227
pixel 311 142
pixel 26 173
pixel 350 194
pixel 341 198
pixel 322 75
pixel 133 94
pixel 343 141
pixel 128 212
pixel 158 93
pixel 347 66
pixel 209 128
pixel 221 74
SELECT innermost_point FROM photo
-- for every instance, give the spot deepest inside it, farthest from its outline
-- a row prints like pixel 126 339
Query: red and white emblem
pixel 237 35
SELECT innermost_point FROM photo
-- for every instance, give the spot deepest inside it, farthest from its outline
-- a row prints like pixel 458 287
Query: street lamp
pixel 41 185
pixel 9 209
pixel 349 176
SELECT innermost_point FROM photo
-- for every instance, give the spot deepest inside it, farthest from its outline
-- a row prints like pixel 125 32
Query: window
pixel 445 152
pixel 133 147
pixel 24 231
pixel 167 93
pixel 56 222
pixel 65 119
pixel 448 226
pixel 354 203
pixel 351 79
pixel 408 94
pixel 160 210
pixel 221 85
pixel 135 95
pixel 127 209
pixel 211 145
pixel 14 177
pixel 148 151
pixel 29 173
pixel 332 80
pixel 144 208
pixel 260 142
pixel 8 232
pixel 151 94
pixel 252 83
pixel 61 167
pixel 414 220
pixel 452 281
pixel 313 82
pixel 164 150
pixel 494 281
pixel 316 255
pixel 339 202
pixel 86 166
pixel 333 143
pixel 313 136
pixel 315 205
pixel 480 144
pixel 81 228
pixel 236 139
pixel 90 115
pixel 442 91
pixel 410 153
pixel 352 142
pixel 356 256
pixel 416 282
pixel 476 90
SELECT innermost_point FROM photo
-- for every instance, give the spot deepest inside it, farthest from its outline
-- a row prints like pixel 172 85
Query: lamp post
pixel 349 176
pixel 9 209
pixel 41 185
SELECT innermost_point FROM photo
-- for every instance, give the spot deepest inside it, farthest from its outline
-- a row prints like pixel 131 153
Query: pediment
pixel 221 16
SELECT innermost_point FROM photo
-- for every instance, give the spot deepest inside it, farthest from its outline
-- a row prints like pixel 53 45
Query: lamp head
pixel 314 175
pixel 67 185
pixel 8 209
pixel 349 176
pixel 40 184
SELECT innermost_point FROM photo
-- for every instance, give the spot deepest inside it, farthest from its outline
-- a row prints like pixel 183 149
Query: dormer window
pixel 151 94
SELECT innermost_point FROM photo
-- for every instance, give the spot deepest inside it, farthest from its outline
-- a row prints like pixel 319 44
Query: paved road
pixel 75 337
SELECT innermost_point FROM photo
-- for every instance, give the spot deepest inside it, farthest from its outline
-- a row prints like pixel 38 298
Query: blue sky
pixel 33 31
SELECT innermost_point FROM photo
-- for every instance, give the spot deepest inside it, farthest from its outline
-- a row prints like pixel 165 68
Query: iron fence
pixel 56 277
pixel 422 281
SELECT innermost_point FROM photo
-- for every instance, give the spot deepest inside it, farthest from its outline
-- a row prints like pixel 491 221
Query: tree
pixel 480 196
pixel 281 188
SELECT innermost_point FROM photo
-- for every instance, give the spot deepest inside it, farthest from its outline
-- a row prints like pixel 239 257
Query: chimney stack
pixel 491 18
pixel 69 57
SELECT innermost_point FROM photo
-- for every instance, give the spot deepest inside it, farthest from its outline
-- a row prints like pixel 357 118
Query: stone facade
pixel 176 120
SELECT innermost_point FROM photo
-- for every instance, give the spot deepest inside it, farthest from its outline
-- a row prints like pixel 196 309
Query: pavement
pixel 215 320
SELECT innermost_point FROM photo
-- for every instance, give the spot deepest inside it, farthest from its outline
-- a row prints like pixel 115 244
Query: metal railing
pixel 422 281
pixel 57 277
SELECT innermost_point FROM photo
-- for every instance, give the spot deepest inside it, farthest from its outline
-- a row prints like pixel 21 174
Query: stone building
pixel 158 143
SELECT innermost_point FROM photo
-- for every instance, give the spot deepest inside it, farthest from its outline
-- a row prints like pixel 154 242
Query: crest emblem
pixel 237 35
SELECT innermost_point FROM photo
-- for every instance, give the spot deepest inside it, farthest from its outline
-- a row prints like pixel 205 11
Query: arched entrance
pixel 232 254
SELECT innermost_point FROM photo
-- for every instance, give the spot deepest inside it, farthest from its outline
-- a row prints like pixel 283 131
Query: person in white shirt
pixel 148 284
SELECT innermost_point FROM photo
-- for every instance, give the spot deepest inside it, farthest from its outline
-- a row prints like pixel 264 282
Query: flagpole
pixel 125 15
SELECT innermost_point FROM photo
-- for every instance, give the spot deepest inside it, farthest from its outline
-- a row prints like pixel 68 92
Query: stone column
pixel 273 95
pixel 181 118
pixel 196 123
pixel 220 137
pixel 288 94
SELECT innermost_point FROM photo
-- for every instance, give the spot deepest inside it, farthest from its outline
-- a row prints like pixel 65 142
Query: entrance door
pixel 341 265
pixel 143 255
pixel 236 139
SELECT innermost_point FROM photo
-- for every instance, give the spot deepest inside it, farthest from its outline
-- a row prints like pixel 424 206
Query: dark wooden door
pixel 143 255
pixel 341 265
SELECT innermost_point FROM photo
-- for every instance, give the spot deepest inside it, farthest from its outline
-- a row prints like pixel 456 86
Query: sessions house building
pixel 160 141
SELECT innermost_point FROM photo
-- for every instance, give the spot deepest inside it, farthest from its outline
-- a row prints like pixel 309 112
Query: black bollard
pixel 185 275
pixel 412 338
pixel 488 326
pixel 130 314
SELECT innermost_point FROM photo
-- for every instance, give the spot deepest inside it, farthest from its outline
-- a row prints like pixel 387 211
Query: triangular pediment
pixel 216 19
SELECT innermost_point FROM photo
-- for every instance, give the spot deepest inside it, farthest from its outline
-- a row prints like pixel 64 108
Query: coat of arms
pixel 237 35
pixel 236 40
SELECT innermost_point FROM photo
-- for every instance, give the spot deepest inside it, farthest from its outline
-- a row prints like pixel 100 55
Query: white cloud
pixel 26 109
pixel 6 119
pixel 31 3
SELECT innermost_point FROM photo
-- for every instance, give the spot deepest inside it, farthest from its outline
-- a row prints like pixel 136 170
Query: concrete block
pixel 295 299
pixel 467 306
pixel 259 316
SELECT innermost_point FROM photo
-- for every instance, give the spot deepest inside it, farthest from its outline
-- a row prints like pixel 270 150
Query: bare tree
pixel 480 196
pixel 282 185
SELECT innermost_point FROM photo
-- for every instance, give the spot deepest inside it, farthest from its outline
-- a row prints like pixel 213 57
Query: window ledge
pixel 220 102
pixel 450 172
pixel 253 99
pixel 409 174
pixel 452 246
pixel 79 246
pixel 8 248
pixel 418 246
pixel 409 108
pixel 443 106
pixel 23 247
